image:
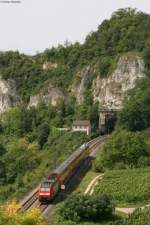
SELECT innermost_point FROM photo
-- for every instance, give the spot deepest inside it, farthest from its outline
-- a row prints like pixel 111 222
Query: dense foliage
pixel 10 216
pixel 135 115
pixel 80 207
pixel 126 186
pixel 122 150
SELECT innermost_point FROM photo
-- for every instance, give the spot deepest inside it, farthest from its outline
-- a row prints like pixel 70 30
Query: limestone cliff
pixel 84 78
pixel 8 95
pixel 110 91
pixel 50 97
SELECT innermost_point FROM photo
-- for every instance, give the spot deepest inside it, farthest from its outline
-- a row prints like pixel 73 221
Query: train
pixel 59 177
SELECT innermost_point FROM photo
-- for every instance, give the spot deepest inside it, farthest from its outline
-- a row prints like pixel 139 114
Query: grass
pixel 86 181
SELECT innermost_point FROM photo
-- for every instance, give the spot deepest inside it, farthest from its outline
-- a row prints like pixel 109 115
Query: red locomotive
pixel 49 188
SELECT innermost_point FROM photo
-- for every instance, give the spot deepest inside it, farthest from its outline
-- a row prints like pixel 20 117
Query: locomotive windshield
pixel 45 186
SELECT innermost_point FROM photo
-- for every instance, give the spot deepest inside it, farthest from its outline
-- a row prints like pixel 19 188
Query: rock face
pixel 51 97
pixel 49 66
pixel 8 95
pixel 78 88
pixel 110 92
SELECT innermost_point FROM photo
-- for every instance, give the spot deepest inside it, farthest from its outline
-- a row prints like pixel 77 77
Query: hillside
pixel 41 93
pixel 80 70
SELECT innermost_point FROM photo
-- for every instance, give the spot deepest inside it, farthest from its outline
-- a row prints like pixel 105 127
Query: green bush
pixel 97 165
pixel 83 207
pixel 144 162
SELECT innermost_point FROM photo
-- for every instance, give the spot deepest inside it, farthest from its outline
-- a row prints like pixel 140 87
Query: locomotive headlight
pixel 47 194
pixel 63 187
pixel 44 194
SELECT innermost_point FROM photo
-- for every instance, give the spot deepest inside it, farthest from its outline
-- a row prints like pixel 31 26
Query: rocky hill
pixel 104 68
pixel 109 91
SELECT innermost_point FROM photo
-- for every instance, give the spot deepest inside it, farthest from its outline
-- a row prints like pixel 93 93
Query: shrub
pixel 10 216
pixel 144 162
pixel 97 166
pixel 84 207
pixel 123 147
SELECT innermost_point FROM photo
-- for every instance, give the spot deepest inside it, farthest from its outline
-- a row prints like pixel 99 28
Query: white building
pixel 82 125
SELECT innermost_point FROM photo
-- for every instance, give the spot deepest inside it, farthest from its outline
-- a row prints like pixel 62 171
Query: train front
pixel 46 191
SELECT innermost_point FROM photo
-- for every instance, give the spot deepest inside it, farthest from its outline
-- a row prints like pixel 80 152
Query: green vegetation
pixel 129 186
pixel 86 181
pixel 122 150
pixel 129 144
pixel 128 147
pixel 135 115
pixel 139 217
pixel 126 31
pixel 30 147
pixel 10 216
pixel 80 207
pixel 25 163
pixel 128 150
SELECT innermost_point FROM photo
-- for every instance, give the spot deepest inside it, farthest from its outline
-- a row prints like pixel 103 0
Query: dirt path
pixel 131 210
pixel 91 186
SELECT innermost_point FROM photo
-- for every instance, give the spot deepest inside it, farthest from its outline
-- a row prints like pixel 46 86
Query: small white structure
pixel 82 125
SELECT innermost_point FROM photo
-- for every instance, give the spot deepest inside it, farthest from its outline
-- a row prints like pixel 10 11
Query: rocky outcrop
pixel 49 66
pixel 8 95
pixel 51 97
pixel 81 84
pixel 110 91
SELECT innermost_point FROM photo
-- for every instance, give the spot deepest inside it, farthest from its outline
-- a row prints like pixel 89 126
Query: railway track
pixel 31 200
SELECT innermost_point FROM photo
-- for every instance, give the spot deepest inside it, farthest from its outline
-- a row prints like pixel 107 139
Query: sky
pixel 31 26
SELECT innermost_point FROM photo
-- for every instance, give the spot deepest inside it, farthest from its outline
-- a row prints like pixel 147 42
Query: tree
pixel 123 147
pixel 17 121
pixel 19 159
pixel 2 150
pixel 42 134
pixel 135 115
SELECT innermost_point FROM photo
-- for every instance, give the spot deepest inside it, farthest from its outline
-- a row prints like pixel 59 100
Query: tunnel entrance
pixel 107 121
